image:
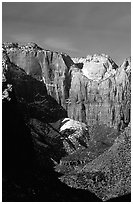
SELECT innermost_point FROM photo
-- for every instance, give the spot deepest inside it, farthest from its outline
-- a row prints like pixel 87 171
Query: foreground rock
pixel 108 175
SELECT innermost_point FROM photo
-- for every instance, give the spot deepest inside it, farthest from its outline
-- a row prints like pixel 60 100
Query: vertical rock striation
pixel 100 92
pixel 51 67
pixel 93 90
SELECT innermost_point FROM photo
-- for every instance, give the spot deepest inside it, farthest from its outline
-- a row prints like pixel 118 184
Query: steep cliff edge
pixel 50 67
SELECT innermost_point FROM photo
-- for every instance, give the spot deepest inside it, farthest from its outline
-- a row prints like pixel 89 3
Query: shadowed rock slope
pixel 32 142
pixel 41 113
pixel 107 175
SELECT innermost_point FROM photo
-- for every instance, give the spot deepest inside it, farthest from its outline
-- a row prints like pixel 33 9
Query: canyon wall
pixel 93 90
pixel 39 131
pixel 44 65
pixel 100 92
pixel 42 115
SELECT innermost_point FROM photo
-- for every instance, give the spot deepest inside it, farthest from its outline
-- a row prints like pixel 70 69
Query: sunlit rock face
pixel 75 134
pixel 94 90
pixel 100 92
pixel 44 65
pixel 24 57
pixel 97 67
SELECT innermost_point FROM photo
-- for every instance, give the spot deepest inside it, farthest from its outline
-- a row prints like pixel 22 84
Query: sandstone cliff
pixel 94 90
pixel 100 92
pixel 50 67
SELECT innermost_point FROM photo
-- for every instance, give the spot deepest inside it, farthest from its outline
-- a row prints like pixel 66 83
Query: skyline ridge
pixel 77 28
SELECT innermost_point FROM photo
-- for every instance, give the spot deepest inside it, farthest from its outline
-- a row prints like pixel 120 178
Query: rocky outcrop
pixel 76 135
pixel 108 175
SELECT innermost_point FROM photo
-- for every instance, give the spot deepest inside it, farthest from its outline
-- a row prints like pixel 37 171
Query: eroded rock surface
pixel 100 92
pixel 96 92
pixel 45 65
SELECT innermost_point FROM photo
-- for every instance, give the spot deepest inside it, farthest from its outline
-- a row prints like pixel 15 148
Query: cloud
pixel 60 43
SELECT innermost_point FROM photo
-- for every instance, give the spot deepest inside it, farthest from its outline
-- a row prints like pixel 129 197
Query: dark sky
pixel 78 28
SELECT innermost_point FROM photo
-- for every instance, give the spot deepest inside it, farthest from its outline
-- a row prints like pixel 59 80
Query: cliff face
pixel 29 99
pixel 41 113
pixel 94 90
pixel 50 67
pixel 100 92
